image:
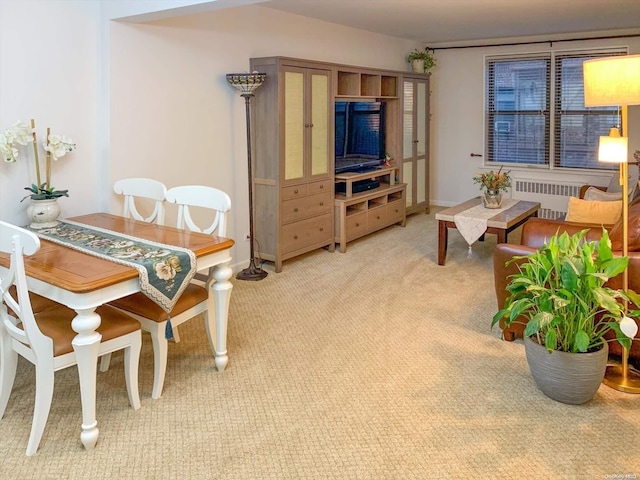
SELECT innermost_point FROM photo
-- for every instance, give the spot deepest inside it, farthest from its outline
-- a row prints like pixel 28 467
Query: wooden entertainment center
pixel 300 203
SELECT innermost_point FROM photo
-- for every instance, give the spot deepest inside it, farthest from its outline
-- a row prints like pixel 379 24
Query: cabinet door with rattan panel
pixel 293 124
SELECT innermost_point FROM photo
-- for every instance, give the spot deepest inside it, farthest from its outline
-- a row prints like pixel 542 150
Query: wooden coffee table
pixel 500 224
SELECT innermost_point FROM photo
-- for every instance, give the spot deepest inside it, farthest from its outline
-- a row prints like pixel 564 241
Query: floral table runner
pixel 164 270
pixel 472 223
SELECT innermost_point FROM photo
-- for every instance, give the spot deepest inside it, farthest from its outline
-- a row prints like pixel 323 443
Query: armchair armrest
pixel 536 231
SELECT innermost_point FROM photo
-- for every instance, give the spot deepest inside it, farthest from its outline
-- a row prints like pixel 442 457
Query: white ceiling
pixel 459 21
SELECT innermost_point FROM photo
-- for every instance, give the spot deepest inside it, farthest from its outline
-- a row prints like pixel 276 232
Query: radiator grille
pixel 549 213
pixel 553 196
pixel 546 188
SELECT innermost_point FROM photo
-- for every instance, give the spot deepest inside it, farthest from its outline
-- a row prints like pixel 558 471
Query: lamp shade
pixel 612 81
pixel 246 82
pixel 613 149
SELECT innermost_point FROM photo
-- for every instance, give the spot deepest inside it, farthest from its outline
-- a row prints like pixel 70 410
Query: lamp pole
pixel 612 81
pixel 247 83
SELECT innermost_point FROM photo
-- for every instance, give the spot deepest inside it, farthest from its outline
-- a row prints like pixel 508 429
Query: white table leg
pixel 86 345
pixel 219 296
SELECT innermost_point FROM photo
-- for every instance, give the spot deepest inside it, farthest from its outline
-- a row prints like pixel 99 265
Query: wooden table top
pixel 79 272
pixel 504 219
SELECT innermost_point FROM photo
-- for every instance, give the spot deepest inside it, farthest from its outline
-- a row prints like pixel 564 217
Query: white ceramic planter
pixel 417 66
pixel 43 213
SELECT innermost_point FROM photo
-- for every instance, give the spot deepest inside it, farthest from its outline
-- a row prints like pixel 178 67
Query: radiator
pixel 552 195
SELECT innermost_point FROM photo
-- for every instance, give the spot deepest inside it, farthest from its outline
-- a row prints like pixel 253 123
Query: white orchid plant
pixel 55 146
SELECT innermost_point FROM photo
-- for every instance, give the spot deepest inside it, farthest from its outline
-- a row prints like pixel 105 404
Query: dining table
pixel 83 282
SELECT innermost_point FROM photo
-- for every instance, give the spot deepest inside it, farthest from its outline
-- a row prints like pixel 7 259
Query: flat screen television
pixel 360 135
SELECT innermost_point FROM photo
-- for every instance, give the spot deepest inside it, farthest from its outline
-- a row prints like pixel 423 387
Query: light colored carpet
pixel 373 364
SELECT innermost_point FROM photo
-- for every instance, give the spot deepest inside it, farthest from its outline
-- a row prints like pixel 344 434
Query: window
pixel 531 120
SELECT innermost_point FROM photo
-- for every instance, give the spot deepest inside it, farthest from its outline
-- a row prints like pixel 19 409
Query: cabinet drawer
pixel 299 235
pixel 376 218
pixel 356 225
pixel 395 211
pixel 296 191
pixel 319 187
pixel 299 208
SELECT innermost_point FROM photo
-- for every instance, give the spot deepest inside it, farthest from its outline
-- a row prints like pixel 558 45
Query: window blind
pixel 518 110
pixel 532 120
pixel 577 128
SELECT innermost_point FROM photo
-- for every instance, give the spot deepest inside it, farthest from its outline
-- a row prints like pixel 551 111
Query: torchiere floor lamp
pixel 616 81
pixel 247 83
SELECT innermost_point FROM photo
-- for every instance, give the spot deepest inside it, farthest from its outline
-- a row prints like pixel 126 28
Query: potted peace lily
pixel 421 60
pixel 561 290
pixel 44 208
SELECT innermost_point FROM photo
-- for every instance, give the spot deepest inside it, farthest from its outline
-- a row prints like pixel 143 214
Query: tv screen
pixel 360 135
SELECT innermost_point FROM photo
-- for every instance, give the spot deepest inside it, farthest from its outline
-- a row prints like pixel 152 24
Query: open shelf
pixel 356 208
pixel 366 85
pixel 385 175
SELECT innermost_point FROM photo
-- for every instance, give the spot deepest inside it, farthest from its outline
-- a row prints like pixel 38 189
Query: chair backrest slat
pixel 148 188
pixel 204 197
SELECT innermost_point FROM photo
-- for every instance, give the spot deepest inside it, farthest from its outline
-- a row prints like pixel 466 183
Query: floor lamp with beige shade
pixel 616 81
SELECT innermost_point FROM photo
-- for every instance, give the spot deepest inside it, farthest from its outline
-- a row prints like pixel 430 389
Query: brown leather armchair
pixel 535 232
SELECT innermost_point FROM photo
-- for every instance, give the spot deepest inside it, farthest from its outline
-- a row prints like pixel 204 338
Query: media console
pixel 358 214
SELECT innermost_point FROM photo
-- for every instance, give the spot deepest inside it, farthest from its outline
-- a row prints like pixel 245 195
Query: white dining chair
pixel 136 189
pixel 194 300
pixel 45 339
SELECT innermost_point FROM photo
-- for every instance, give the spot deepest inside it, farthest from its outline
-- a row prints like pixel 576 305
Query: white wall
pixel 175 118
pixel 457 127
pixel 48 72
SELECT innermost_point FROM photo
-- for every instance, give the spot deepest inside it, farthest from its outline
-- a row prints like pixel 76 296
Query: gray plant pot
pixel 572 378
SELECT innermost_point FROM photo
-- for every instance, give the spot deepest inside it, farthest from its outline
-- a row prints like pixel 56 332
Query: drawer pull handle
pixel 377 217
pixel 295 237
pixel 321 204
pixel 321 187
pixel 295 191
pixel 357 224
pixel 295 209
pixel 322 229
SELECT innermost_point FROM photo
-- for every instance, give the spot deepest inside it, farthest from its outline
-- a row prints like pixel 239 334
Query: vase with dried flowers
pixel 493 184
pixel 44 208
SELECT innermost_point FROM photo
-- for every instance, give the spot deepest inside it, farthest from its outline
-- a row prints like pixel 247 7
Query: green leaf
pixel 498 316
pixel 532 327
pixel 606 300
pixel 550 340
pixel 582 341
pixel 615 266
pixel 634 297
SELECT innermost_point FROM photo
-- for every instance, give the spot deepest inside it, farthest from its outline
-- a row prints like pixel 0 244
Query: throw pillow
pixel 594 193
pixel 614 183
pixel 593 212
